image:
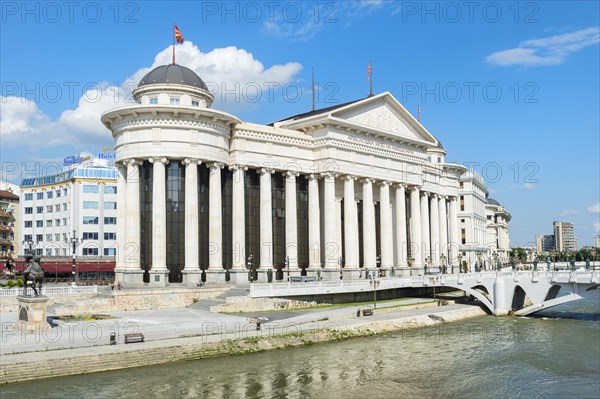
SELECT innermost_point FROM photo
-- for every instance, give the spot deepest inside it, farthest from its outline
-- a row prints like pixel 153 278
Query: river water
pixel 555 354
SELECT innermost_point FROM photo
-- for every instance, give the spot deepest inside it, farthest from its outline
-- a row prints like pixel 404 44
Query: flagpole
pixel 173 33
pixel 419 112
pixel 371 80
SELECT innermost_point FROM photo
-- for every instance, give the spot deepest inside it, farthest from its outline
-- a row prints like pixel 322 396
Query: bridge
pixel 503 292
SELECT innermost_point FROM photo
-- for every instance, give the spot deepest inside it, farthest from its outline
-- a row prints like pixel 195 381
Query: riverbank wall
pixel 30 366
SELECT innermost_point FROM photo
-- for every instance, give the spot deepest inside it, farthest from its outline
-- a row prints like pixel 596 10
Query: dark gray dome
pixel 172 74
pixel 493 202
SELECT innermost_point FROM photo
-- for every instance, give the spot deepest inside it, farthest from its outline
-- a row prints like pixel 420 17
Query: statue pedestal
pixel 32 314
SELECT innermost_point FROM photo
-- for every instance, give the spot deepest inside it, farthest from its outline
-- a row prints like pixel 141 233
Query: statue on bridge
pixel 33 273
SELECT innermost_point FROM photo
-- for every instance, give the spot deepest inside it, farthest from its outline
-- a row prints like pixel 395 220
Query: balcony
pixel 5 227
pixel 5 214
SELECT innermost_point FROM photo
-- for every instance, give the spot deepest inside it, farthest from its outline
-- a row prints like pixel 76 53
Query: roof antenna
pixel 313 87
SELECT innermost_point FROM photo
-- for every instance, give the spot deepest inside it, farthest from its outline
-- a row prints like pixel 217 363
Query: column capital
pixel 132 162
pixel 384 183
pixel 350 177
pixel 367 180
pixel 312 176
pixel 236 166
pixel 413 188
pixel 214 166
pixel 262 171
pixel 326 175
pixel 425 193
pixel 290 174
pixel 161 159
pixel 434 195
pixel 187 161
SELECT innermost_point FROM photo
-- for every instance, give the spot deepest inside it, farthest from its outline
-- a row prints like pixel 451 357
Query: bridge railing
pixel 92 289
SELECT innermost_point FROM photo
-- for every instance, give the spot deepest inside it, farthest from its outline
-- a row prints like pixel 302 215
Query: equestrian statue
pixel 33 273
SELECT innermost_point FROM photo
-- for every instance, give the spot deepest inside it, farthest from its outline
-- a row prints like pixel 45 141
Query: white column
pixel 332 247
pixel 291 218
pixel 266 219
pixel 415 227
pixel 453 222
pixel 424 226
pixel 133 213
pixel 443 216
pixel 369 234
pixel 191 214
pixel 159 214
pixel 350 224
pixel 435 229
pixel 215 218
pixel 338 227
pixel 385 225
pixel 121 215
pixel 314 223
pixel 401 236
pixel 238 220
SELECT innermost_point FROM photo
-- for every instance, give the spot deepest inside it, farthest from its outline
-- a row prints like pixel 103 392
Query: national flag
pixel 178 35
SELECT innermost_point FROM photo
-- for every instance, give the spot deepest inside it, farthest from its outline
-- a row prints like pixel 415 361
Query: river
pixel 555 354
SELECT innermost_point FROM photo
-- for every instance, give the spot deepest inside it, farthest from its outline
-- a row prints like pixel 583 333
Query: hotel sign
pixel 74 159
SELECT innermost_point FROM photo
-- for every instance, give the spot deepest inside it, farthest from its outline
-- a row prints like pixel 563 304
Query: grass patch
pixel 83 317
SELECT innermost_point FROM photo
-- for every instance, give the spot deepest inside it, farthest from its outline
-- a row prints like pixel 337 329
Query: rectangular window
pixel 57 222
pixel 87 188
pixel 28 210
pixel 48 237
pixel 64 191
pixel 39 196
pixel 50 194
pixel 57 237
pixel 64 206
pixel 110 220
pixel 174 101
pixel 90 220
pixel 110 189
pixel 462 202
pixel 49 223
pixel 195 103
pixel 39 223
pixel 154 100
pixel 461 185
pixel 39 237
pixel 49 208
pixel 90 204
pixel 110 251
pixel 64 236
pixel 56 252
pixel 463 236
pixel 57 208
pixel 48 251
pixel 110 236
pixel 90 251
pixel 28 223
pixel 28 197
pixel 90 236
pixel 57 193
pixel 28 237
pixel 64 221
pixel 110 205
pixel 39 209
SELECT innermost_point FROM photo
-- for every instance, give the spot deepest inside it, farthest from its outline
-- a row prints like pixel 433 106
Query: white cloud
pixel 551 50
pixel 594 208
pixel 529 186
pixel 569 212
pixel 225 70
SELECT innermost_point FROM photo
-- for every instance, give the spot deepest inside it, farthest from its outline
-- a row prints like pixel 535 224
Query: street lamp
pixel 378 264
pixel 74 241
pixel 374 282
pixel 428 262
pixel 340 265
pixel 250 263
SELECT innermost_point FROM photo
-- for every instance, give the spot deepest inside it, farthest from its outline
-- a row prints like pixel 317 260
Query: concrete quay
pixel 80 347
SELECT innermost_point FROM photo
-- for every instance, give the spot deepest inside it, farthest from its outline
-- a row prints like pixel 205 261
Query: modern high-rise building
pixel 564 237
pixel 597 241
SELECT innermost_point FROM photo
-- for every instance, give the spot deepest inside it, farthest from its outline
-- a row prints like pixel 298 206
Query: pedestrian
pixel 112 286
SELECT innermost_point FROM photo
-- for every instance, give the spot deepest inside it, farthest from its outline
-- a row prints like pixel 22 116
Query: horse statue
pixel 33 273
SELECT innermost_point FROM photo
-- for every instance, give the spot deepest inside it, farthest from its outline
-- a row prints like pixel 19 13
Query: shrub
pixel 19 283
pixel 10 283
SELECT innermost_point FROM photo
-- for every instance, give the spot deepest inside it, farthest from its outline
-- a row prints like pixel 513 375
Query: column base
pixel 353 273
pixel 159 278
pixel 239 276
pixel 191 278
pixel 215 276
pixel 317 273
pixel 330 274
pixel 129 278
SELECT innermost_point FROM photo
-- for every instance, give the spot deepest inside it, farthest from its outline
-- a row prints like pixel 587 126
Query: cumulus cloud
pixel 594 208
pixel 551 50
pixel 236 78
pixel 569 212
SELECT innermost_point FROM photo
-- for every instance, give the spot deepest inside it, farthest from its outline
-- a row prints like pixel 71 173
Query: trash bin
pixel 257 325
pixel 113 338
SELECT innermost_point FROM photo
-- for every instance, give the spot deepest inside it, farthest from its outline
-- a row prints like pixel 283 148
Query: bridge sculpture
pixel 517 292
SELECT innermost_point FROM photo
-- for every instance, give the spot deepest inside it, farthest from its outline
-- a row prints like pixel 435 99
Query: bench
pixel 367 312
pixel 134 337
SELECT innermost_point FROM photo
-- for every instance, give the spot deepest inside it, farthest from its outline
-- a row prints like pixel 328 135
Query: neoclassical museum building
pixel 330 193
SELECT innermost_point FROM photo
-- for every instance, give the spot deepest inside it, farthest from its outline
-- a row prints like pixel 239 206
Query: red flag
pixel 178 35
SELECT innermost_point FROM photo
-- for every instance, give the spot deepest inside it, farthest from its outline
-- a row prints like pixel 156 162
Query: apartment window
pixel 50 194
pixel 90 220
pixel 48 237
pixel 462 202
pixel 57 237
pixel 28 223
pixel 174 101
pixel 49 208
pixel 39 209
pixel 110 251
pixel 90 204
pixel 49 223
pixel 57 208
pixel 110 189
pixel 90 251
pixel 110 205
pixel 110 236
pixel 28 197
pixel 64 236
pixel 57 222
pixel 28 237
pixel 110 220
pixel 39 237
pixel 39 223
pixel 64 221
pixel 39 196
pixel 57 193
pixel 195 103
pixel 90 189
pixel 48 251
pixel 90 236
pixel 154 100
pixel 463 236
pixel 64 206
pixel 64 191
pixel 28 210
pixel 56 252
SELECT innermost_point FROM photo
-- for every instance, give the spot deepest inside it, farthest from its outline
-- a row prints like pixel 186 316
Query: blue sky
pixel 511 88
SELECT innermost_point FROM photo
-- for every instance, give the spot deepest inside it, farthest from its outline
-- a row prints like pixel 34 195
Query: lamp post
pixel 250 263
pixel 378 264
pixel 74 241
pixel 340 260
pixel 374 282
pixel 287 265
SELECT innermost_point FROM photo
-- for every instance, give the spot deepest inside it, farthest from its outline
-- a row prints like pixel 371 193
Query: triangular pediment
pixel 384 113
